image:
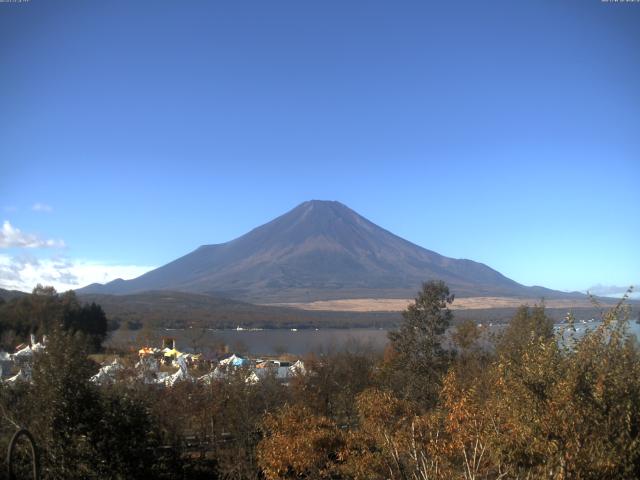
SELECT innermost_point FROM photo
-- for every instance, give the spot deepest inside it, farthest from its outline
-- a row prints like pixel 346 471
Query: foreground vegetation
pixel 533 404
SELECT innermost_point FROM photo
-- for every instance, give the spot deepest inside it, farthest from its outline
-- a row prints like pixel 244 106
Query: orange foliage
pixel 299 444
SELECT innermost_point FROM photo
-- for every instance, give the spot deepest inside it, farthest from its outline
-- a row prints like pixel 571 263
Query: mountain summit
pixel 319 250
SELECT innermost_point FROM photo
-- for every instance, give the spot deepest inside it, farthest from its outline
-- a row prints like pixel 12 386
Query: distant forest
pixel 181 310
pixel 162 309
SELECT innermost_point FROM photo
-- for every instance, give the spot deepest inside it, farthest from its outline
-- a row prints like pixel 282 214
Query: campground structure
pixel 154 366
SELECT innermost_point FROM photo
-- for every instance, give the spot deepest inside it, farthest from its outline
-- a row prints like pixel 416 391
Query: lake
pixel 277 341
pixel 263 342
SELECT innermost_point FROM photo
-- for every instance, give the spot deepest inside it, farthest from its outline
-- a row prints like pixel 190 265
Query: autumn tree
pixel 474 352
pixel 569 410
pixel 298 444
pixel 332 382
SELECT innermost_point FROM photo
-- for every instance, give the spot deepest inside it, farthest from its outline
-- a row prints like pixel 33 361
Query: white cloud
pixel 42 207
pixel 25 272
pixel 613 291
pixel 14 237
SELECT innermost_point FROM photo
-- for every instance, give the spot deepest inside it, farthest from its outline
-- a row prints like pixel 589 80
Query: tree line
pixel 44 311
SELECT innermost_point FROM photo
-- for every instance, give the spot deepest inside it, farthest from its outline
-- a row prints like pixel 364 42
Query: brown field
pixel 399 304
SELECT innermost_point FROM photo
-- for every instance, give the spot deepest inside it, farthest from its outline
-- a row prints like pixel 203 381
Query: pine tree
pixel 420 359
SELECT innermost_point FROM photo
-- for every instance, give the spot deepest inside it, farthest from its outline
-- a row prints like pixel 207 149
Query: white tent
pixel 161 377
pixel 147 368
pixel 38 347
pixel 24 354
pixel 208 378
pixel 234 360
pixel 181 375
pixel 171 380
pixel 23 375
pixel 107 374
pixel 252 379
pixel 297 368
pixel 147 363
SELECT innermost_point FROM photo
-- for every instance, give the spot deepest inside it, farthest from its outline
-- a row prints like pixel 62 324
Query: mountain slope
pixel 10 294
pixel 319 250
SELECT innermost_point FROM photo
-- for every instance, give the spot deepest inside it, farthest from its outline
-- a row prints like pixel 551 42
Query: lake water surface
pixel 265 342
pixel 277 341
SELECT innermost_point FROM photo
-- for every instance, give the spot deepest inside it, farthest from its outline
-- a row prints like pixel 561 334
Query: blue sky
pixel 504 132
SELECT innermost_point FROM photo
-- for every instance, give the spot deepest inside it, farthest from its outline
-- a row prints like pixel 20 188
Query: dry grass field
pixel 399 304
